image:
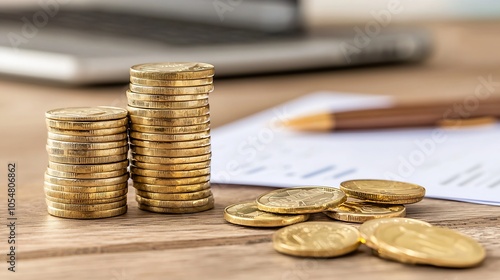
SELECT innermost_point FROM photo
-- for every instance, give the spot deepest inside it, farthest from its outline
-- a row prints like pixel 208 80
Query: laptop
pixel 95 42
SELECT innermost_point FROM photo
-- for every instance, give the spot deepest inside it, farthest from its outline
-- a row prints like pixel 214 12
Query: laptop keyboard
pixel 148 28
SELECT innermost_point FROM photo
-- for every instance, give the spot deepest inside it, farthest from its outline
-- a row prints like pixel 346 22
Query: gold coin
pixel 88 160
pixel 169 137
pixel 87 215
pixel 420 244
pixel 170 121
pixel 172 189
pixel 171 83
pixel 85 182
pixel 94 132
pixel 85 114
pixel 97 175
pixel 86 153
pixel 367 229
pixel 171 181
pixel 86 146
pixel 171 90
pixel 172 152
pixel 170 174
pixel 87 139
pixel 172 71
pixel 171 167
pixel 183 210
pixel 169 129
pixel 85 196
pixel 165 160
pixel 301 200
pixel 86 201
pixel 383 191
pixel 164 97
pixel 175 196
pixel 316 239
pixel 86 125
pixel 171 145
pixel 86 207
pixel 88 168
pixel 168 113
pixel 76 189
pixel 247 214
pixel 174 203
pixel 359 212
pixel 168 104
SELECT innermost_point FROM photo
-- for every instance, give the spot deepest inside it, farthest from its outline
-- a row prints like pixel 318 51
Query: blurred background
pixel 94 42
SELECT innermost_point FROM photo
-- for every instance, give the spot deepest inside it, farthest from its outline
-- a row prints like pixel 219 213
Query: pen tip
pixel 319 122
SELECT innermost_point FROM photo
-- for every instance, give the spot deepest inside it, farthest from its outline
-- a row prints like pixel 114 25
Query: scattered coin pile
pixel 170 136
pixel 375 203
pixel 87 172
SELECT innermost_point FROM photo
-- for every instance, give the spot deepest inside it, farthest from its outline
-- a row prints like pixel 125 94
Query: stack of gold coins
pixel 170 136
pixel 87 173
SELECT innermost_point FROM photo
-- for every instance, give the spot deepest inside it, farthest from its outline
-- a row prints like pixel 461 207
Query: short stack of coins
pixel 87 172
pixel 170 136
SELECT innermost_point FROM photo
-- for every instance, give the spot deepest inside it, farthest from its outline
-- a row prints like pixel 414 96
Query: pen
pixel 402 115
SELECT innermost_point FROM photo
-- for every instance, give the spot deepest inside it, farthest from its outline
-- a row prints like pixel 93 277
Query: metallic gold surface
pixel 95 175
pixel 170 121
pixel 368 228
pixel 87 139
pixel 359 212
pixel 170 181
pixel 172 71
pixel 171 167
pixel 170 174
pixel 89 168
pixel 171 83
pixel 86 153
pixel 86 146
pixel 176 153
pixel 168 104
pixel 173 203
pixel 86 182
pixel 301 200
pixel 168 113
pixel 175 196
pixel 77 189
pixel 79 125
pixel 165 160
pixel 383 191
pixel 177 210
pixel 172 188
pixel 85 114
pixel 170 130
pixel 86 207
pixel 169 137
pixel 90 160
pixel 86 201
pixel 92 132
pixel 84 196
pixel 247 214
pixel 171 90
pixel 419 244
pixel 316 239
pixel 171 145
pixel 87 215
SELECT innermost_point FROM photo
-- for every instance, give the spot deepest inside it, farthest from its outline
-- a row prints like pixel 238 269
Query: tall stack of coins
pixel 170 136
pixel 87 173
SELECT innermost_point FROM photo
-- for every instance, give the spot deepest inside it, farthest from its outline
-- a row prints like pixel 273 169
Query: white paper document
pixel 461 164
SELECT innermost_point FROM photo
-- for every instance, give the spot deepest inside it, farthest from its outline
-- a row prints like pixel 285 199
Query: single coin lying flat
pixel 383 191
pixel 301 200
pixel 247 214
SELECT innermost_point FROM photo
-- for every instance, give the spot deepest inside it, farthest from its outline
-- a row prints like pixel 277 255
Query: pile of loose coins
pixel 378 204
pixel 170 136
pixel 87 172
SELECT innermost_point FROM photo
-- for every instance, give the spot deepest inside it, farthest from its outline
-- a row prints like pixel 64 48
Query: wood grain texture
pixel 143 245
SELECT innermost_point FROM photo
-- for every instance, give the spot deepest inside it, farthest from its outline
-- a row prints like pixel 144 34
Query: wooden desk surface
pixel 142 245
